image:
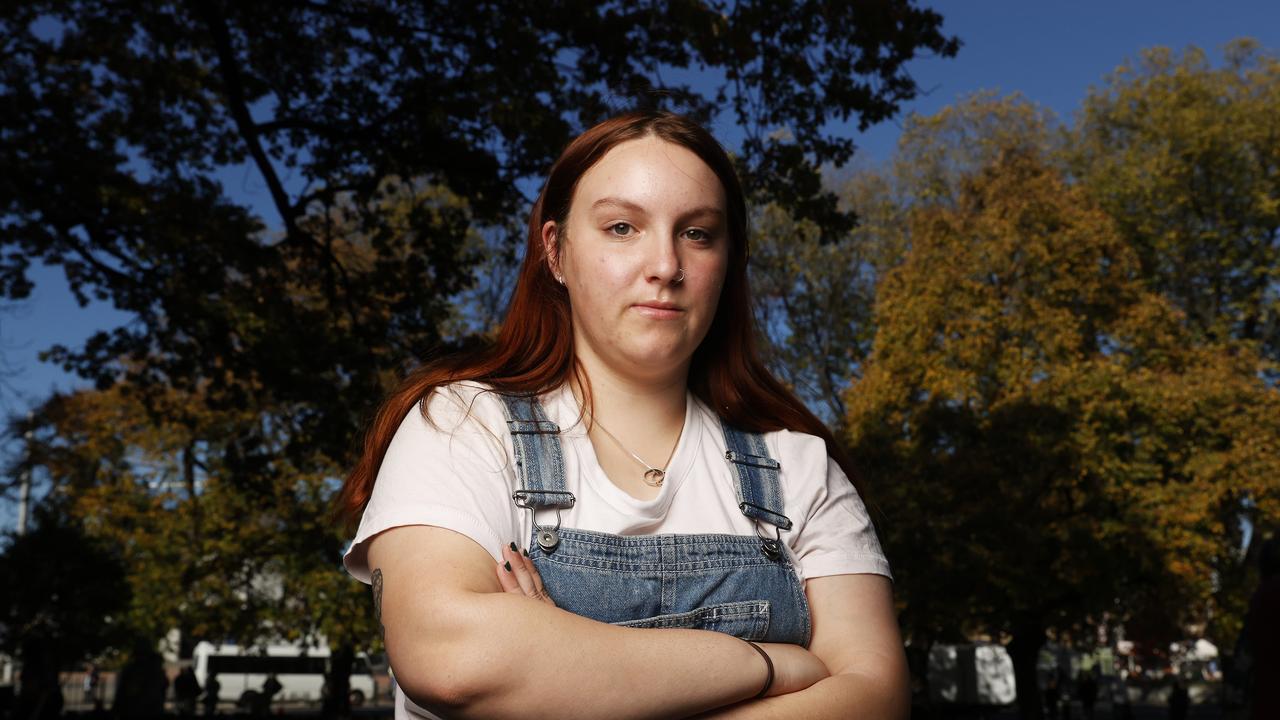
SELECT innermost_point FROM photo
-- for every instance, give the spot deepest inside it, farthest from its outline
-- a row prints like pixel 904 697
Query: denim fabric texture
pixel 732 584
pixel 539 456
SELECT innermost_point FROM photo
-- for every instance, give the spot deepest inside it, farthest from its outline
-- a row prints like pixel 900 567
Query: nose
pixel 664 262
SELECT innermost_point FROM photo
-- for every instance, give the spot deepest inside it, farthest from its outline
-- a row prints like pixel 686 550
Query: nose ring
pixel 678 278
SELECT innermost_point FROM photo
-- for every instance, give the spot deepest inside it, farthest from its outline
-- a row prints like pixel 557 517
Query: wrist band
pixel 768 683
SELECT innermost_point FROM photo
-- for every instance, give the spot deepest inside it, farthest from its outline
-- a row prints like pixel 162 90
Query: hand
pixel 517 575
pixel 794 668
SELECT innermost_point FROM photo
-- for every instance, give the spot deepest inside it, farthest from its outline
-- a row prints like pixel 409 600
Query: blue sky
pixel 1050 52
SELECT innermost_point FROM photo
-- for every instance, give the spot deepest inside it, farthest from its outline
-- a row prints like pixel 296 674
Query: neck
pixel 636 410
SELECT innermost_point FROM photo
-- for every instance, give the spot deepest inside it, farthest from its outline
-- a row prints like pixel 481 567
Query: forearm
pixel 839 696
pixel 502 655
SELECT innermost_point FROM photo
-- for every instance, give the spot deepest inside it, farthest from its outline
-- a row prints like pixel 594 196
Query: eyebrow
pixel 628 205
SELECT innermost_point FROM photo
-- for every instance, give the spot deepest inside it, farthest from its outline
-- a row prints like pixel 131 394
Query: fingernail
pixel 507 565
pixel 513 547
pixel 526 552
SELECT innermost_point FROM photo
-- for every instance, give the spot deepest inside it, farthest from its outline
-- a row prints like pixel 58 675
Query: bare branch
pixel 239 108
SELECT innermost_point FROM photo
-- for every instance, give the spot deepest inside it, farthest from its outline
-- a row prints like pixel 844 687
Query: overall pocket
pixel 747 619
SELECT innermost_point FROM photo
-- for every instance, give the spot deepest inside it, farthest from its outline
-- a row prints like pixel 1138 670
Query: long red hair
pixel 534 349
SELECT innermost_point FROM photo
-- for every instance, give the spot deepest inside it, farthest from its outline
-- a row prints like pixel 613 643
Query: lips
pixel 659 310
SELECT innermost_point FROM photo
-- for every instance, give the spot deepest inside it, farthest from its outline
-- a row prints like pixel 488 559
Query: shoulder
pixel 803 458
pixel 800 448
pixel 455 410
pixel 799 453
pixel 459 405
pixel 461 416
pixel 810 477
pixel 834 534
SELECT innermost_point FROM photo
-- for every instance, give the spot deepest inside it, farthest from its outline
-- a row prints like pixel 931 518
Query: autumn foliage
pixel 1052 350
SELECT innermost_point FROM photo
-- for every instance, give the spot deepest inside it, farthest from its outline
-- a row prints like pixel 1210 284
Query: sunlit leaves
pixel 1186 157
pixel 1034 408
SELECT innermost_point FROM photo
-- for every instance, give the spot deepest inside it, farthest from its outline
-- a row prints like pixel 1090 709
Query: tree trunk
pixel 337 703
pixel 1024 650
pixel 918 661
pixel 186 643
pixel 40 696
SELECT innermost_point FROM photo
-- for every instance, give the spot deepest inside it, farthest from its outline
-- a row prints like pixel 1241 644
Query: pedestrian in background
pixel 1262 636
pixel 1179 700
pixel 211 689
pixel 186 690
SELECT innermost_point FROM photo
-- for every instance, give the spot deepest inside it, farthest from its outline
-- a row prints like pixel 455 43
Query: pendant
pixel 654 477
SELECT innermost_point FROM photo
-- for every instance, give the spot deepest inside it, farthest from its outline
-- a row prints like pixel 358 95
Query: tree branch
pixel 239 108
pixel 273 126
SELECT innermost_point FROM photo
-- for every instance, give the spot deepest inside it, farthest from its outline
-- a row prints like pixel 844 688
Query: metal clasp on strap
pixel 756 512
pixel 548 538
pixel 770 546
pixel 760 461
pixel 525 498
pixel 757 475
pixel 533 427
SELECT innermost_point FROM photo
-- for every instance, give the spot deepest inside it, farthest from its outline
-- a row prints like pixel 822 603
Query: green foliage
pixel 814 299
pixel 937 152
pixel 204 553
pixel 1053 449
pixel 394 144
pixel 1186 158
pixel 117 117
pixel 65 592
pixel 1023 371
pixel 816 296
pixel 1069 408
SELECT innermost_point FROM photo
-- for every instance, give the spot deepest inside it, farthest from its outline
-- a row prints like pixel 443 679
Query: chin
pixel 656 358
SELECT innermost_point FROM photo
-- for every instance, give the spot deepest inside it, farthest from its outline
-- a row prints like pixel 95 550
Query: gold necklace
pixel 653 476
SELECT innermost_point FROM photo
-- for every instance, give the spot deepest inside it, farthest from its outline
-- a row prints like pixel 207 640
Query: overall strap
pixel 539 457
pixel 539 464
pixel 759 489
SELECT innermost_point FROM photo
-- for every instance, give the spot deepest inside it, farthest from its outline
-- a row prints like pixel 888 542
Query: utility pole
pixel 24 498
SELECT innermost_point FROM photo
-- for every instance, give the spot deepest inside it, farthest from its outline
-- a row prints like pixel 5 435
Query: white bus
pixel 299 670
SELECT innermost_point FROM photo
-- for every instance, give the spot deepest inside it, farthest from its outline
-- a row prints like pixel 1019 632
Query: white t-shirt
pixel 459 475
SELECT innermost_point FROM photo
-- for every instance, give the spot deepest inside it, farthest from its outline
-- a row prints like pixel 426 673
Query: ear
pixel 551 247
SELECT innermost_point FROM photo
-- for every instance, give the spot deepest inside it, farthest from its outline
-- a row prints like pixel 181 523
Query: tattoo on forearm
pixel 377 599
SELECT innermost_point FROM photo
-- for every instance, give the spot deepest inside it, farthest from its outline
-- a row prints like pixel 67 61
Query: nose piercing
pixel 678 278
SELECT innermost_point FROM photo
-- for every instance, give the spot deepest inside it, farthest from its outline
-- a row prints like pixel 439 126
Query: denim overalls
pixel 743 585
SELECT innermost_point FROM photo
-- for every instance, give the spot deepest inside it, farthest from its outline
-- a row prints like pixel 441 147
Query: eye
pixel 698 235
pixel 613 229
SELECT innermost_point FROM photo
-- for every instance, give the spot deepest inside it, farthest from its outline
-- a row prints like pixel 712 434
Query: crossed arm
pixel 468 642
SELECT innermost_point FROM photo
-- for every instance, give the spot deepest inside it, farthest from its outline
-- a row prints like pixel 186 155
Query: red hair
pixel 533 352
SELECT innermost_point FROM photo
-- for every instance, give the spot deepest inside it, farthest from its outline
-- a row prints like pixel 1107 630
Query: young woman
pixel 674 533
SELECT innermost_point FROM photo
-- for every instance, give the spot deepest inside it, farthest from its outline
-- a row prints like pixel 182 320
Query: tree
pixel 389 138
pixel 62 602
pixel 1186 158
pixel 816 295
pixel 813 300
pixel 1053 449
pixel 937 153
pixel 117 116
pixel 202 553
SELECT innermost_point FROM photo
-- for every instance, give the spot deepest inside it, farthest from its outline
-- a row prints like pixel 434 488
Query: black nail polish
pixel 526 552
pixel 513 547
pixel 507 565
